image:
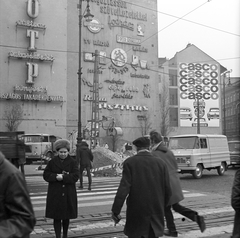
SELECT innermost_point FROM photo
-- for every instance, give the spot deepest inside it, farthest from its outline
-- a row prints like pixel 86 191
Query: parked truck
pixel 13 148
pixel 40 146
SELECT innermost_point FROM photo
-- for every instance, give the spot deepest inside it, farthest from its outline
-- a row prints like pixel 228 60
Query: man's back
pixel 146 182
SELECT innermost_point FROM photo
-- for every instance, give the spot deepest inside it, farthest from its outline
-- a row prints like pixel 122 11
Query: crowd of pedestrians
pixel 149 184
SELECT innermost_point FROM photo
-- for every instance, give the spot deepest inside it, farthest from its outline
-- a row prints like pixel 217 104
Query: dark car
pixel 234 148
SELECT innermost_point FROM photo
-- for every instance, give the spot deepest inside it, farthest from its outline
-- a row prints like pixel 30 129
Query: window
pixel 160 78
pixel 203 143
pixel 173 96
pixel 172 77
pixel 173 116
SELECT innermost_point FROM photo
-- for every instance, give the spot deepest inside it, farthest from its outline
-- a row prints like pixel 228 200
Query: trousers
pixel 187 212
pixel 88 175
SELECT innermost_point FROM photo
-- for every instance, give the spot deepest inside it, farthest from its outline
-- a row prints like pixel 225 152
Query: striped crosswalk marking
pixel 102 190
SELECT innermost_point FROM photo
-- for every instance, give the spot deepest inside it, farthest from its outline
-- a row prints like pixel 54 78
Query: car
pixel 213 113
pixel 186 113
pixel 202 122
pixel 234 148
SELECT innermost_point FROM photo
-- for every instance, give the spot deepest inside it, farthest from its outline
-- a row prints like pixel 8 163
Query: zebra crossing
pixel 103 193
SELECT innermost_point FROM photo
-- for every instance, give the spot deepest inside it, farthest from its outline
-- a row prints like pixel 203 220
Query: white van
pixel 196 152
pixel 40 146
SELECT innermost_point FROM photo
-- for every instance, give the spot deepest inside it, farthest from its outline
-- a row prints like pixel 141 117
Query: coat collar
pixel 160 147
pixel 60 164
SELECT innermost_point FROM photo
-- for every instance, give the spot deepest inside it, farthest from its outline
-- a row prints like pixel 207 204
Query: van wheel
pixel 221 169
pixel 198 172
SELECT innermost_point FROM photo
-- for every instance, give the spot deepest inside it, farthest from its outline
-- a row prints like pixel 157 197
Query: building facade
pixel 39 62
pixel 193 80
pixel 231 106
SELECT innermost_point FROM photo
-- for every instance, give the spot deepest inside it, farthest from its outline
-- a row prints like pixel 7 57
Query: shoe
pixel 201 223
pixel 89 188
pixel 80 187
pixel 171 233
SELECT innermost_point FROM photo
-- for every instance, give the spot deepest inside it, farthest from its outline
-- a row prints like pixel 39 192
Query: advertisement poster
pixel 199 93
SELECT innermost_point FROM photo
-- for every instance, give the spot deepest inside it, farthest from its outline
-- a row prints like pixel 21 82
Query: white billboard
pixel 199 88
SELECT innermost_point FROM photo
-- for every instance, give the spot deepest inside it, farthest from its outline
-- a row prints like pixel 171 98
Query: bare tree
pixel 145 123
pixel 165 128
pixel 13 114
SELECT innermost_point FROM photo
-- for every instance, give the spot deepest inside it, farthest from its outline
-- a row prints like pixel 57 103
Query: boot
pixel 171 233
pixel 201 223
pixel 81 186
pixel 89 187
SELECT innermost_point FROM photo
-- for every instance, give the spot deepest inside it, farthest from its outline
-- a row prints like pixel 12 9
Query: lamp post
pixel 88 17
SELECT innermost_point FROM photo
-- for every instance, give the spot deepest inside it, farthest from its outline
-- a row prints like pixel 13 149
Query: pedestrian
pixel 145 185
pixel 61 173
pixel 85 160
pixel 16 212
pixel 163 153
pixel 235 202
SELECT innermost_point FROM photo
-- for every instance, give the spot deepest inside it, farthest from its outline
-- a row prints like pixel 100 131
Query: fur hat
pixel 62 143
pixel 142 142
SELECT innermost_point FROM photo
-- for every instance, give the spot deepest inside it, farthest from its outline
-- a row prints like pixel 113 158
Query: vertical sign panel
pixel 199 90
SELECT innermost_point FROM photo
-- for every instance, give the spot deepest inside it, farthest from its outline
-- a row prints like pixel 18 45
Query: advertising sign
pixel 199 94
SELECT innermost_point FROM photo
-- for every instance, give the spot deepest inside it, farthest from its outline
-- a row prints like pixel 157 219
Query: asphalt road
pixel 210 182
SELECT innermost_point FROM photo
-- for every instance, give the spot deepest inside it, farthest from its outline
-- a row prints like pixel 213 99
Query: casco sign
pixel 198 81
pixel 94 26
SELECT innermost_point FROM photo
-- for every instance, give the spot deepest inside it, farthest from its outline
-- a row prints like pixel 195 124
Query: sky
pixel 211 25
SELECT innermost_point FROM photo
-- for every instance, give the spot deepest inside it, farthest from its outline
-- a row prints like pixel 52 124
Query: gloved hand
pixel 116 218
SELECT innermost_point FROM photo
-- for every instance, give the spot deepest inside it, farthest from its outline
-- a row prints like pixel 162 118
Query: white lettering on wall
pixel 32 35
pixel 33 8
pixel 32 72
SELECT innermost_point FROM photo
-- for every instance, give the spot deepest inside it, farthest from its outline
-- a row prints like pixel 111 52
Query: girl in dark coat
pixel 235 201
pixel 61 173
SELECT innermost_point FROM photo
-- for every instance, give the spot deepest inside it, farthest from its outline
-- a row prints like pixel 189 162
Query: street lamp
pixel 88 17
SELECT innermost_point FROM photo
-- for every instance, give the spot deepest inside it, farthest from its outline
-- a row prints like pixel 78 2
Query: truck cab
pixel 40 146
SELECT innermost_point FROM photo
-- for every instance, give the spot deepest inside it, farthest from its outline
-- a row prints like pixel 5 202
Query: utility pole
pixel 198 117
pixel 95 102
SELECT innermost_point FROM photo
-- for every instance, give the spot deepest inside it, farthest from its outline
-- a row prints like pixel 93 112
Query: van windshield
pixel 34 138
pixel 184 143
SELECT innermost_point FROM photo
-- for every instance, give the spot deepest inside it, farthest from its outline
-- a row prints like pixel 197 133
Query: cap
pixel 141 142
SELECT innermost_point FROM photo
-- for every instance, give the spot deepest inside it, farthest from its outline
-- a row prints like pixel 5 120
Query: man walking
pixel 85 161
pixel 235 202
pixel 164 154
pixel 145 183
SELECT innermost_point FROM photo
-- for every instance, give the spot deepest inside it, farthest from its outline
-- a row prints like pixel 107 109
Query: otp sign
pixel 198 81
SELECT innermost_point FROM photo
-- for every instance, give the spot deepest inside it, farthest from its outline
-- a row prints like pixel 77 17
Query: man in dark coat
pixel 61 173
pixel 145 183
pixel 235 202
pixel 85 159
pixel 16 212
pixel 159 150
